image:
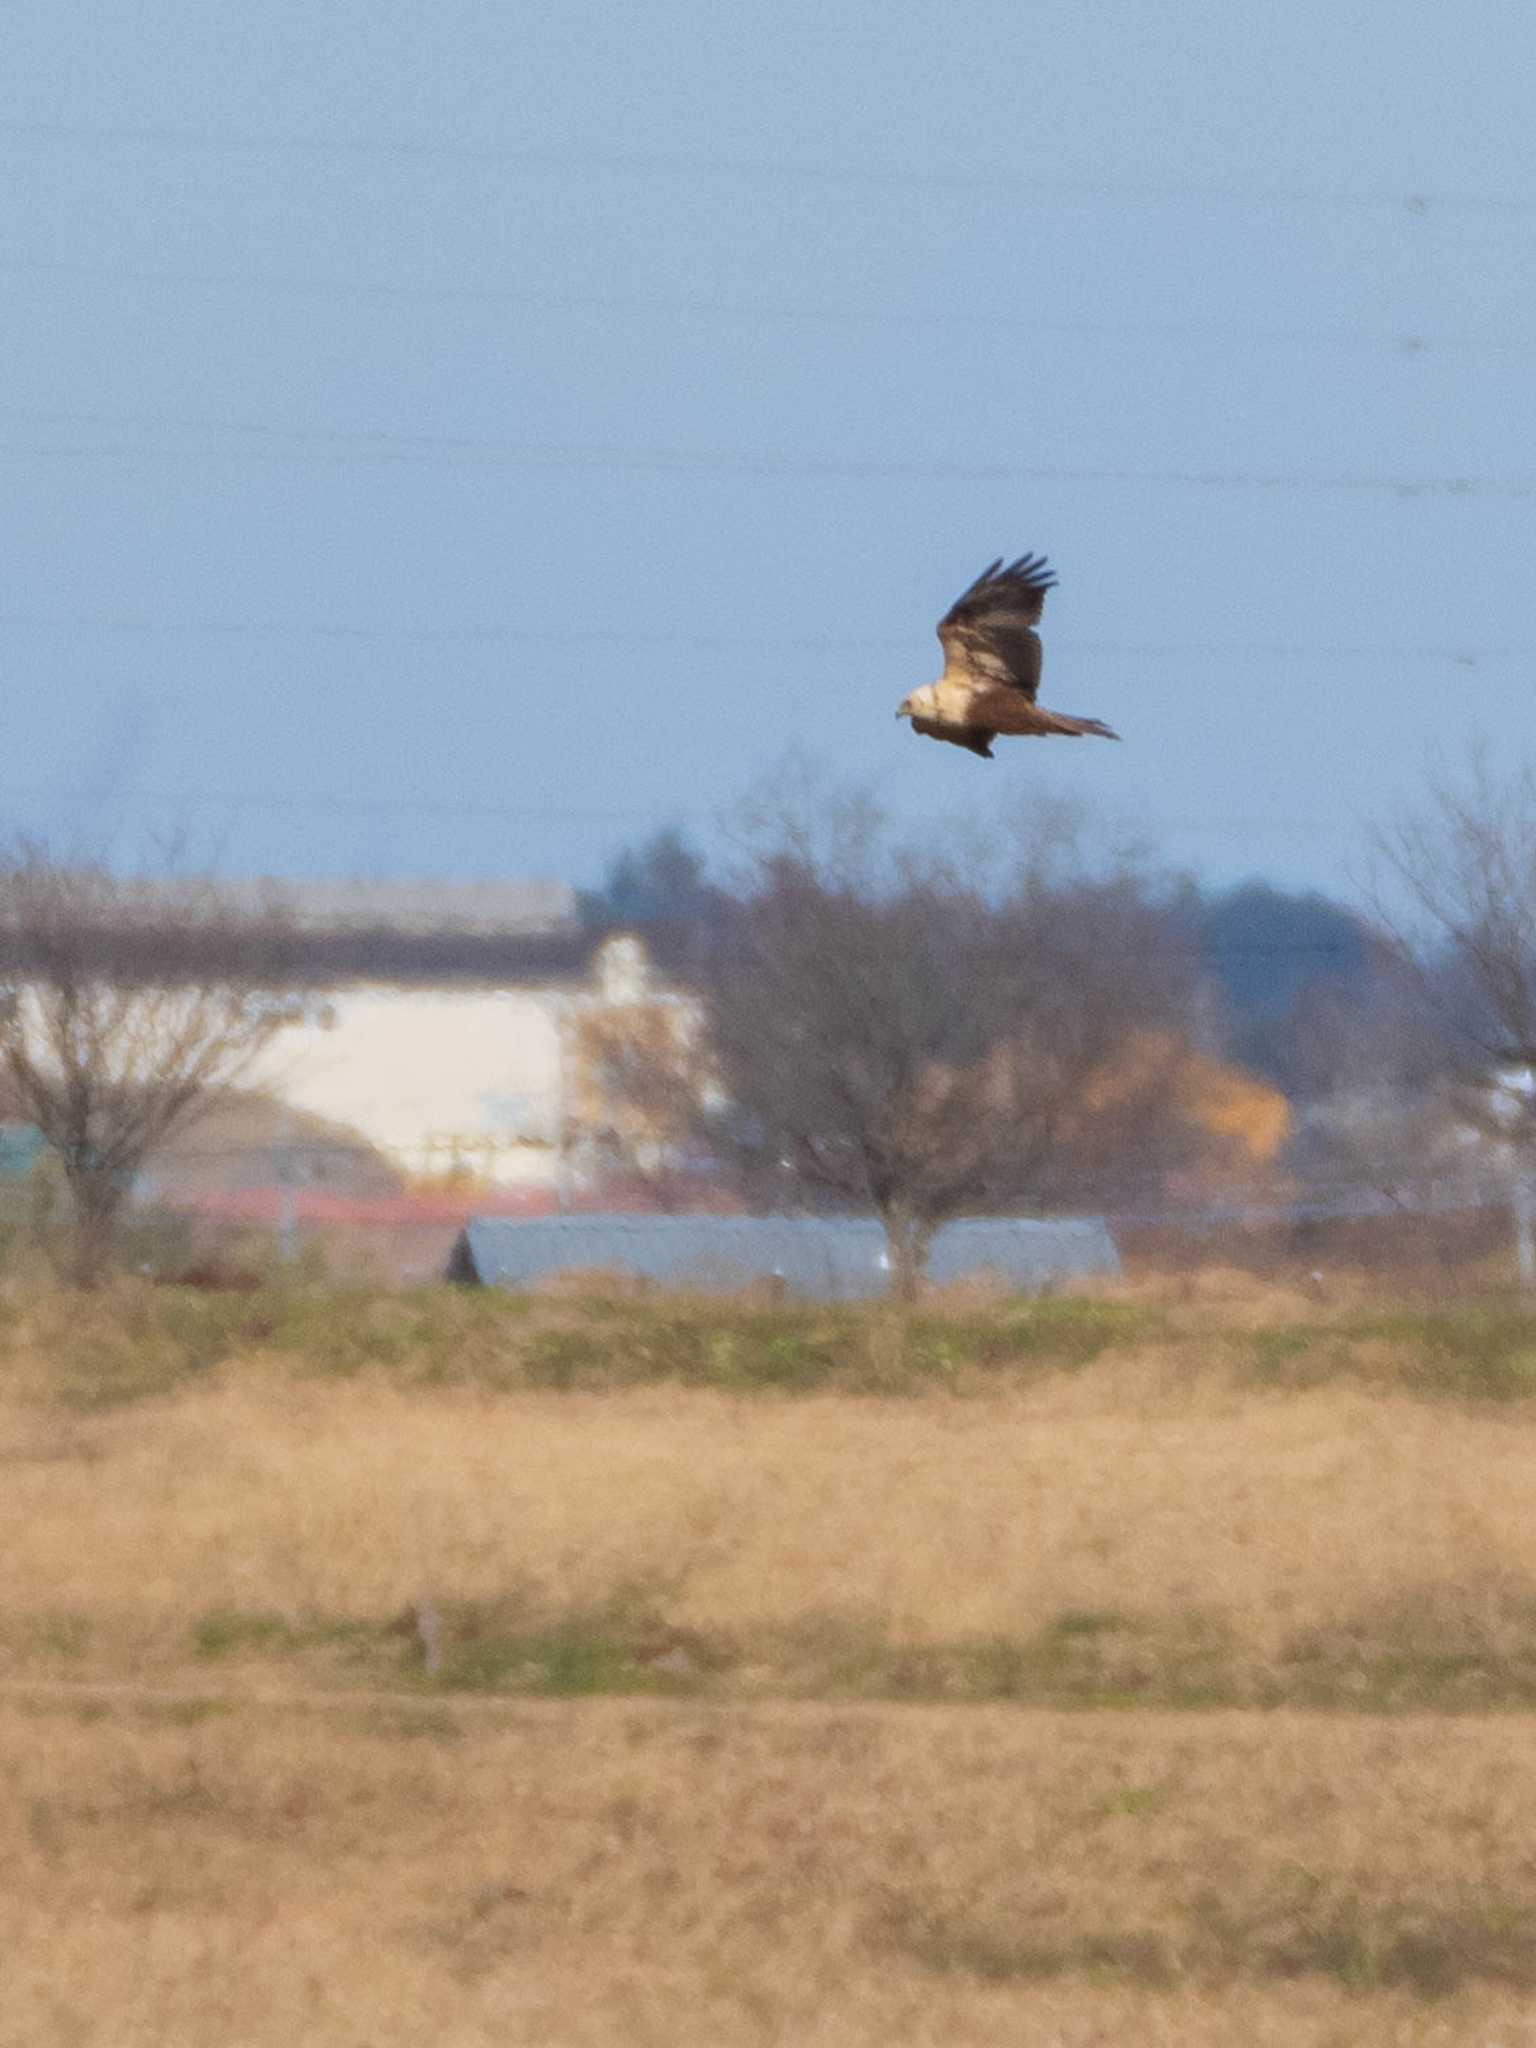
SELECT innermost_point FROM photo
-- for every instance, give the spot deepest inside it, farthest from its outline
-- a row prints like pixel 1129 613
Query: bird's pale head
pixel 917 703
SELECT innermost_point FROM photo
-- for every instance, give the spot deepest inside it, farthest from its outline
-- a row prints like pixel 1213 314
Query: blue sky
pixel 453 439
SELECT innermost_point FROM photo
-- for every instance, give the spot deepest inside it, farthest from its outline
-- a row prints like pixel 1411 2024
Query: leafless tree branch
pixel 111 1058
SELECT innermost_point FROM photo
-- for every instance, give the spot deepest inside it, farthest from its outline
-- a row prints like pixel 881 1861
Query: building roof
pixel 325 933
pixel 826 1257
pixel 409 908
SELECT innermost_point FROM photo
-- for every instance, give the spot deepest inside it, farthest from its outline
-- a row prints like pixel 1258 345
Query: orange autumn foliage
pixel 1237 1119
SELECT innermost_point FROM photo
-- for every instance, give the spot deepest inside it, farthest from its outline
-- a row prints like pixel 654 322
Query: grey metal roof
pixel 828 1257
pixel 488 907
pixel 480 908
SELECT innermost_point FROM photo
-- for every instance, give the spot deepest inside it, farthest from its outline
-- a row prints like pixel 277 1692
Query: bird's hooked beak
pixel 904 708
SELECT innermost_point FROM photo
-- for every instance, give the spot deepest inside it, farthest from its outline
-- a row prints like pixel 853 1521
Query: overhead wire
pixel 390 806
pixel 337 800
pixel 1407 343
pixel 1412 203
pixel 329 449
pixel 1465 655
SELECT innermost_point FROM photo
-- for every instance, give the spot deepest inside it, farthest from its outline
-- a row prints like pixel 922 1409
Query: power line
pixel 496 631
pixel 1246 827
pixel 468 453
pixel 630 163
pixel 388 291
pixel 337 800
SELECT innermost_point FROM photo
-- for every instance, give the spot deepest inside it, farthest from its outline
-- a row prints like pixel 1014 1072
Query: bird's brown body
pixel 992 662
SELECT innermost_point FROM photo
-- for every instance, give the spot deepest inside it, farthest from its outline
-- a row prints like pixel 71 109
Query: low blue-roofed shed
pixel 828 1258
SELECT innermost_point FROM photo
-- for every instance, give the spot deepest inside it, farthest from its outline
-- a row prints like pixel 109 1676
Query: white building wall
pixel 434 1078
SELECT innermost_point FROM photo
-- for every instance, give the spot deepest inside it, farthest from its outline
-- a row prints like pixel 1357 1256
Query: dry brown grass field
pixel 598 1871
pixel 460 1669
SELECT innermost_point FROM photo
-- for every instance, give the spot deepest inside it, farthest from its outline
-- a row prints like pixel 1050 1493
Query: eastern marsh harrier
pixel 992 665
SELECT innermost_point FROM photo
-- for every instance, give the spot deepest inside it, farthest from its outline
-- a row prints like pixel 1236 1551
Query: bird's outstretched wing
pixel 988 633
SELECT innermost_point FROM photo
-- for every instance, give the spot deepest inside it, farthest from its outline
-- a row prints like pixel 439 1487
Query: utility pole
pixel 1510 1095
pixel 287 1190
pixel 1523 1207
pixel 562 1161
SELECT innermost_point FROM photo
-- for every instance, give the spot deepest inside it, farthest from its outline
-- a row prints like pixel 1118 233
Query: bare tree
pixel 887 1033
pixel 640 1074
pixel 109 1039
pixel 1458 891
pixel 1464 862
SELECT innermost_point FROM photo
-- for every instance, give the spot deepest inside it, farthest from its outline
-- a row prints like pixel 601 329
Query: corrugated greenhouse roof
pixel 826 1257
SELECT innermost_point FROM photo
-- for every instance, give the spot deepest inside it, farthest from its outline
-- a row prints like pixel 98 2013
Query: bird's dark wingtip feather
pixel 1034 571
pixel 971 589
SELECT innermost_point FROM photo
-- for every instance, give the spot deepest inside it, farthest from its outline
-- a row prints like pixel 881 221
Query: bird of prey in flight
pixel 992 665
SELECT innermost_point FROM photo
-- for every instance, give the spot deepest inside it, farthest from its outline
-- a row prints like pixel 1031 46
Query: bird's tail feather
pixel 1075 728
